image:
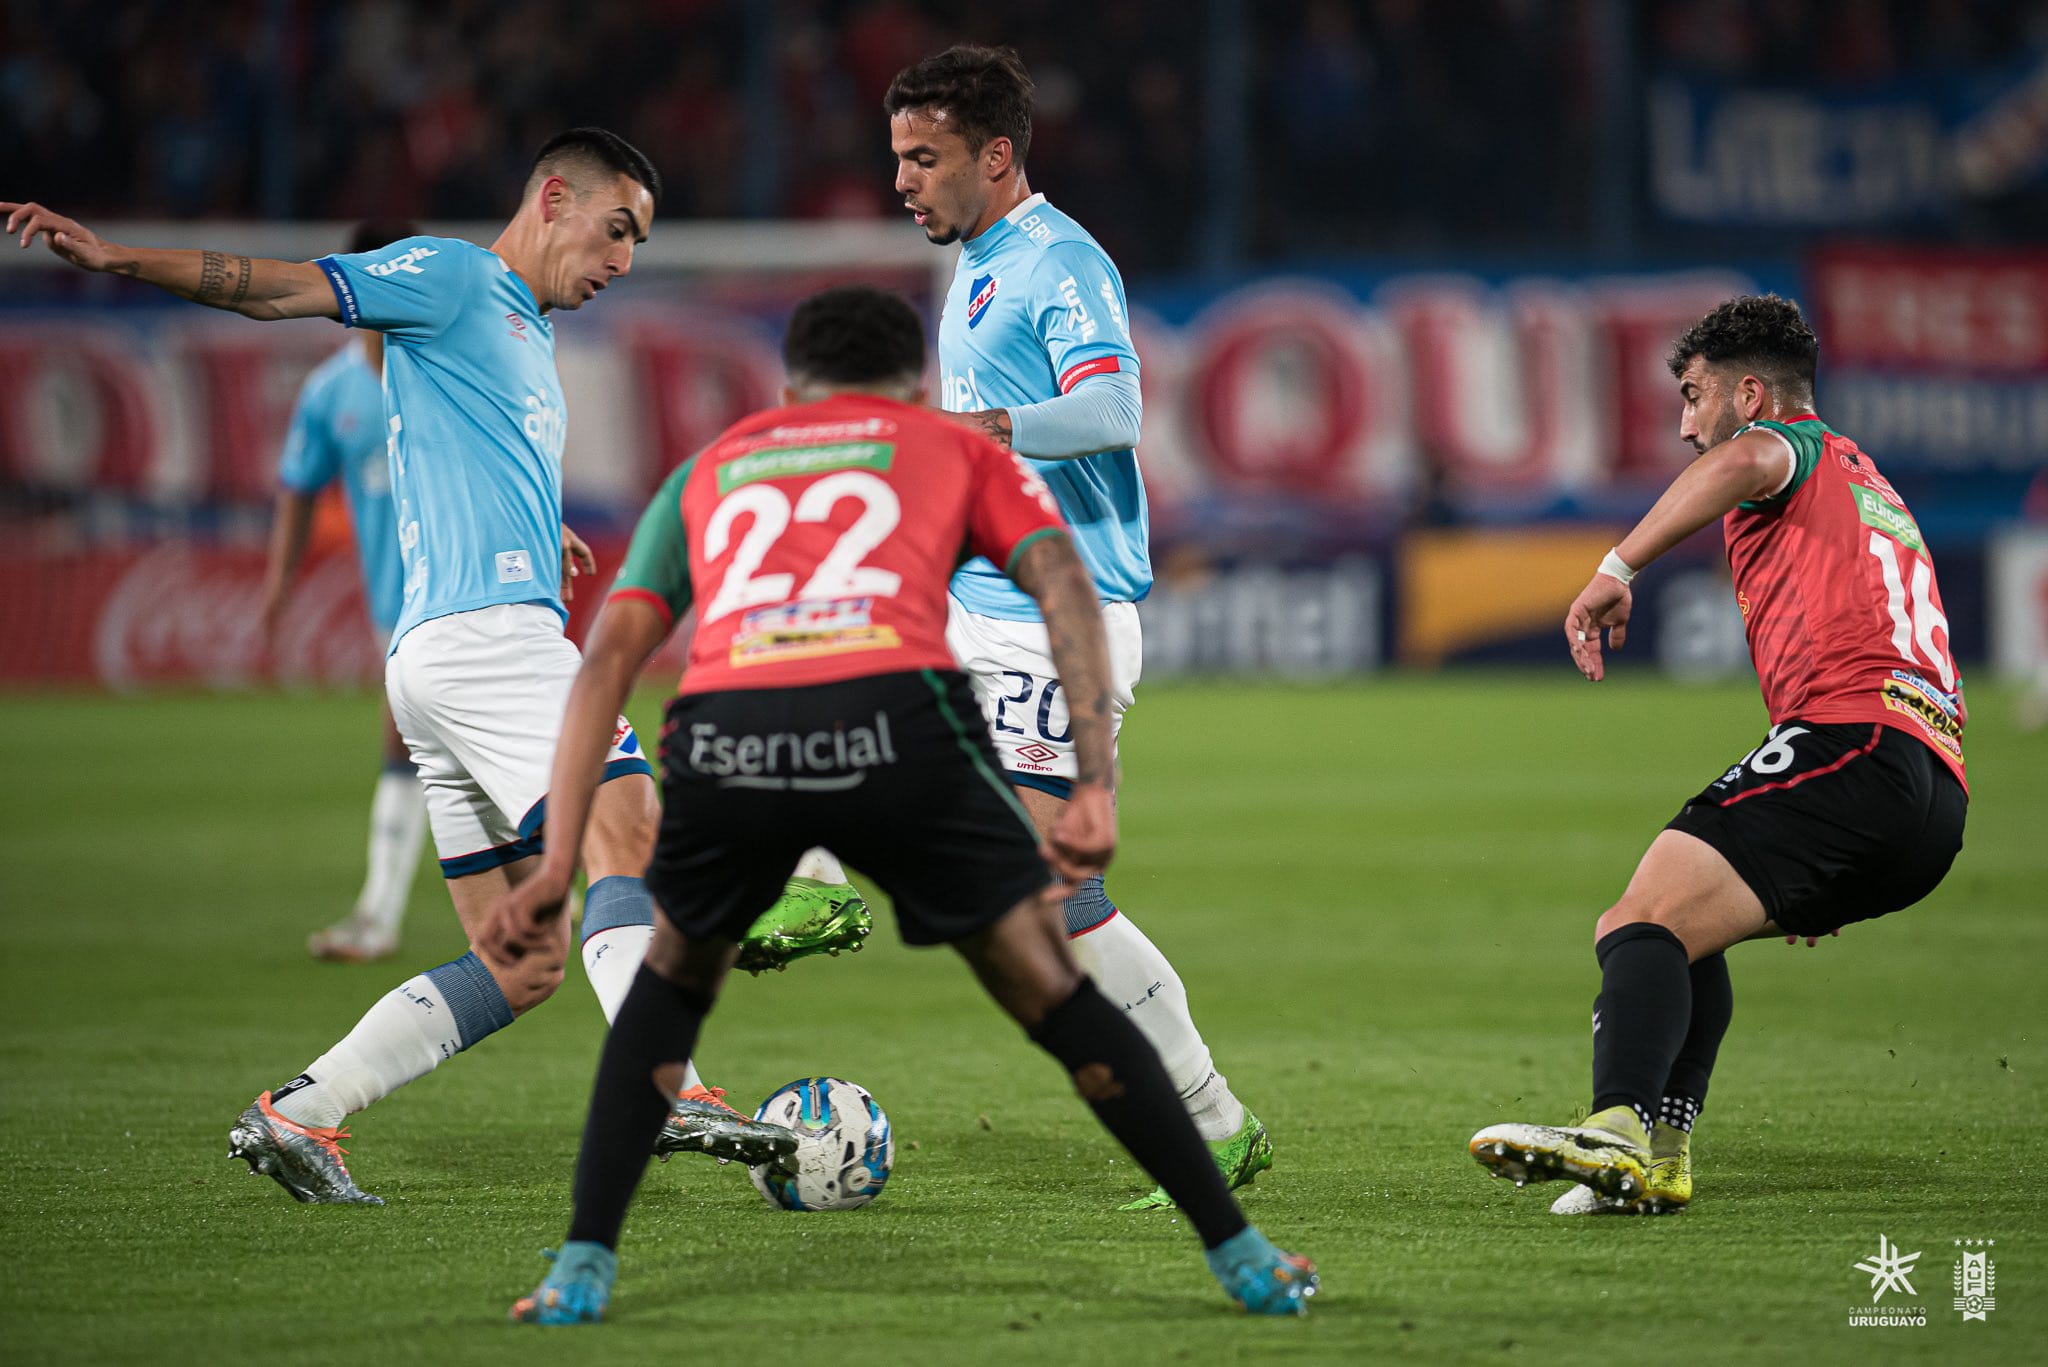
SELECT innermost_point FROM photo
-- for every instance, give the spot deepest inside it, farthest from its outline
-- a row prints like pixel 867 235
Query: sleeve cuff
pixel 344 292
pixel 648 596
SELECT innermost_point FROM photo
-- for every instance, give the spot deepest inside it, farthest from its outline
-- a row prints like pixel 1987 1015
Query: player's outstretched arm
pixel 1748 467
pixel 1083 839
pixel 624 638
pixel 253 286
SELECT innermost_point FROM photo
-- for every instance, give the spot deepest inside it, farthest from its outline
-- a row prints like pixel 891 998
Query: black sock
pixel 657 1023
pixel 1118 1073
pixel 1641 1017
pixel 1713 1006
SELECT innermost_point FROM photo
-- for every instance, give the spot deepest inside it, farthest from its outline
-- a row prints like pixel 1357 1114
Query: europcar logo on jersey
pixel 1890 1271
pixel 980 295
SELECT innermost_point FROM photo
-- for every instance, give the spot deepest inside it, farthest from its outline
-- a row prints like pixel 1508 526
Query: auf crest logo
pixel 405 261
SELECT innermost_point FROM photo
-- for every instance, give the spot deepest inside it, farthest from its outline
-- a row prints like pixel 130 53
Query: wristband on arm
pixel 1615 567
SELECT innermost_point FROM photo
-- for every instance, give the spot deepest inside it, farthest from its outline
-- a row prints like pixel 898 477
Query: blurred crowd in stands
pixel 1368 125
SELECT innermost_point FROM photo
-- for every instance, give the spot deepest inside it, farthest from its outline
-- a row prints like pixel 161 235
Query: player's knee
pixel 1613 919
pixel 697 966
pixel 528 985
pixel 1042 985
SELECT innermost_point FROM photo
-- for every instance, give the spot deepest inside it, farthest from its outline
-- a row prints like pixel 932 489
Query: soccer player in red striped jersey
pixel 1851 808
pixel 822 707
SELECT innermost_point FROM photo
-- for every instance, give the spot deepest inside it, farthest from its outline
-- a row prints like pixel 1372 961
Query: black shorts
pixel 893 773
pixel 1831 823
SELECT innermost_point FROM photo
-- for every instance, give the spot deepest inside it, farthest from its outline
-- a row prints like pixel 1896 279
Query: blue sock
pixel 473 997
pixel 614 902
pixel 1088 908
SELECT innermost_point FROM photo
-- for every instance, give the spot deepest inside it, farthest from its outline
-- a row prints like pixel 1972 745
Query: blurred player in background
pixel 1035 353
pixel 337 434
pixel 478 667
pixel 821 703
pixel 1851 808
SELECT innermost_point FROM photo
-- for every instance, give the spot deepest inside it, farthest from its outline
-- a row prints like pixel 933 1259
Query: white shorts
pixel 479 698
pixel 1021 699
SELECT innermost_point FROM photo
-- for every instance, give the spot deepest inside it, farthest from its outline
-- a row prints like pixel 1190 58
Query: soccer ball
pixel 844 1147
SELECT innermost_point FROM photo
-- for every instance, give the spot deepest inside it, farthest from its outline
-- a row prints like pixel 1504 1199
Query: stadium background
pixel 1403 274
pixel 1402 277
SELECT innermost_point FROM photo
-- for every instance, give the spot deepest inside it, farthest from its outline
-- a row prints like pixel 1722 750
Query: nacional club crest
pixel 980 294
pixel 1976 1279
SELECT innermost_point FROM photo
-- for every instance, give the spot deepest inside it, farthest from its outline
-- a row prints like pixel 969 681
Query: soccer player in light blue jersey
pixel 479 669
pixel 337 436
pixel 1035 352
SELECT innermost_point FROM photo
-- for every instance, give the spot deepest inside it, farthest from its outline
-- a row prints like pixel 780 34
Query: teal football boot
pixel 576 1289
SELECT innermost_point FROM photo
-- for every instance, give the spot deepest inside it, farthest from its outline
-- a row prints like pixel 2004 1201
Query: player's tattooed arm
pixel 1082 839
pixel 993 423
pixel 254 287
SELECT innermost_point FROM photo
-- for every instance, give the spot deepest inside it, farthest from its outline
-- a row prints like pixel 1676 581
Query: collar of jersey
pixel 978 248
pixel 519 283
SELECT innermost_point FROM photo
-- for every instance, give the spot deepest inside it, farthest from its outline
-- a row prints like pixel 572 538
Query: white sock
pixel 405 1035
pixel 1216 1112
pixel 611 960
pixel 1130 971
pixel 822 865
pixel 398 828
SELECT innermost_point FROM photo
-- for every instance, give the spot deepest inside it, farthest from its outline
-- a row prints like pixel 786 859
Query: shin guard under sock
pixel 1641 1017
pixel 1713 1006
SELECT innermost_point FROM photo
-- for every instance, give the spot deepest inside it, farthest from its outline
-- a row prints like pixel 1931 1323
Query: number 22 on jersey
pixel 840 574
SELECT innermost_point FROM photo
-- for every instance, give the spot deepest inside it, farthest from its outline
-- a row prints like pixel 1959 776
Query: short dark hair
pixel 1763 333
pixel 986 90
pixel 592 148
pixel 368 236
pixel 854 334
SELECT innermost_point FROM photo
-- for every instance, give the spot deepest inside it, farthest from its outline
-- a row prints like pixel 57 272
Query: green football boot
pixel 811 918
pixel 1239 1158
pixel 1609 1152
pixel 1667 1182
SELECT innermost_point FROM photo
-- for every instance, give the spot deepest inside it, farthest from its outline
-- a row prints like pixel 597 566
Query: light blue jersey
pixel 1035 308
pixel 337 432
pixel 474 422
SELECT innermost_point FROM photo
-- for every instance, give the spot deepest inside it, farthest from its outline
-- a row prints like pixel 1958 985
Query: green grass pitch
pixel 1381 898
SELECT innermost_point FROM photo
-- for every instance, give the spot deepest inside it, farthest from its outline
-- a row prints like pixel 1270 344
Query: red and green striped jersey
pixel 1839 599
pixel 817 541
